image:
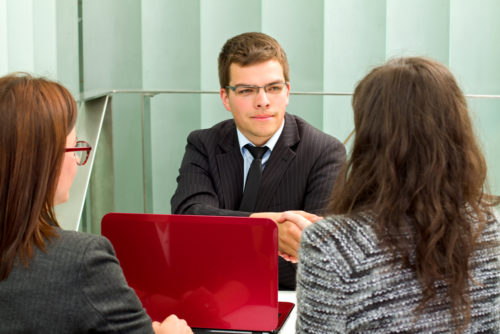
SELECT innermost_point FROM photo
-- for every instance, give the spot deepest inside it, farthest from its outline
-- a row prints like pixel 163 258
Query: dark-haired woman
pixel 411 244
pixel 51 280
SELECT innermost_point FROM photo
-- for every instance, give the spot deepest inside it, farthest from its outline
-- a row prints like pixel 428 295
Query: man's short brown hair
pixel 248 49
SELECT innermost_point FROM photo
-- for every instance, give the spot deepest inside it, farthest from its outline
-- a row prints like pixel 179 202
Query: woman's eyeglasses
pixel 82 152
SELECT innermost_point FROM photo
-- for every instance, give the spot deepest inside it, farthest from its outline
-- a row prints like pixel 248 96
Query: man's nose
pixel 261 100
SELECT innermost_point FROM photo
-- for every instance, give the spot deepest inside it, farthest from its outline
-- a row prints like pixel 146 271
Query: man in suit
pixel 299 163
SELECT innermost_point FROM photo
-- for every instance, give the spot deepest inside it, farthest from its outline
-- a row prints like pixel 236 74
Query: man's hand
pixel 290 225
pixel 172 325
pixel 309 216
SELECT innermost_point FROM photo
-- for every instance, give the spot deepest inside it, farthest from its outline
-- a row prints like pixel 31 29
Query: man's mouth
pixel 263 116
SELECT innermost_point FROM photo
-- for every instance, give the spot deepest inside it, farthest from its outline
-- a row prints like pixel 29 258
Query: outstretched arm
pixel 290 226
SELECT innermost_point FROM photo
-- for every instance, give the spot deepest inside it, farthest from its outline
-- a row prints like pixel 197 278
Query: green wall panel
pixel 20 44
pixel 40 37
pixel 44 37
pixel 171 60
pixel 349 56
pixel 299 29
pixel 112 44
pixel 221 20
pixel 112 60
pixel 486 117
pixel 475 45
pixel 418 28
pixel 67 63
pixel 474 59
pixel 3 37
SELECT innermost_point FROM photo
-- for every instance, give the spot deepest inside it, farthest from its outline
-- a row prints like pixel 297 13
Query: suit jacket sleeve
pixel 322 176
pixel 113 305
pixel 196 192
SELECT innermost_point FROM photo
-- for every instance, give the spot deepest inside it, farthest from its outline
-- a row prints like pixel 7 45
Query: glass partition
pixel 137 172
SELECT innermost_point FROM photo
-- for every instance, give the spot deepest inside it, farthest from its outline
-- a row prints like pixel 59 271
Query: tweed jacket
pixel 348 283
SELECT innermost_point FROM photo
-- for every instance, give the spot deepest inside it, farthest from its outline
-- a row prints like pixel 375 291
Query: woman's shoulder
pixel 79 237
pixel 344 228
pixel 72 243
pixel 341 238
pixel 76 256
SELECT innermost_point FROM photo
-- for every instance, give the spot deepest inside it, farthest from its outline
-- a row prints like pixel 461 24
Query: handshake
pixel 290 226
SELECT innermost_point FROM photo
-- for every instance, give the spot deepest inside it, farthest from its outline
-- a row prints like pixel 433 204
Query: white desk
pixel 289 296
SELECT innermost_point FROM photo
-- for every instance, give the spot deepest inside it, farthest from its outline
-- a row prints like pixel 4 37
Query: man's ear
pixel 287 93
pixel 225 99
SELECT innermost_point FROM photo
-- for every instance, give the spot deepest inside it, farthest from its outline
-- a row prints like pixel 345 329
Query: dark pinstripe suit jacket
pixel 299 174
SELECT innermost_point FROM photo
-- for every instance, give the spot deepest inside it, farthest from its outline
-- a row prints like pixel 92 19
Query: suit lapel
pixel 230 167
pixel 278 163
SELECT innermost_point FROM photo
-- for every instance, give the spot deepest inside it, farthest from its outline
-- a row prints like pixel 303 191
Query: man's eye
pixel 245 91
pixel 275 88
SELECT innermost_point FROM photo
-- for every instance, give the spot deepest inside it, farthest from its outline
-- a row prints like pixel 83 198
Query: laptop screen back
pixel 215 272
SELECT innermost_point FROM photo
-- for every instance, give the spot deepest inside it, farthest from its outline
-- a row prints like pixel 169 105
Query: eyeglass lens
pixel 83 155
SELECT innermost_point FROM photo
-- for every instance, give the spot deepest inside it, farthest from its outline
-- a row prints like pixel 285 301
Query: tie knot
pixel 257 152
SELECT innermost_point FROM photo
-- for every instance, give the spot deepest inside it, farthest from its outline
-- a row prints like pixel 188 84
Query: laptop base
pixel 285 308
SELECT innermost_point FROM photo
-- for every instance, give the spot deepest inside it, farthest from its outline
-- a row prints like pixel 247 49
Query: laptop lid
pixel 215 272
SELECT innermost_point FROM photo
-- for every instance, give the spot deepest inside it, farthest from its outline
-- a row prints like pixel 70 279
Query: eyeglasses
pixel 82 152
pixel 274 88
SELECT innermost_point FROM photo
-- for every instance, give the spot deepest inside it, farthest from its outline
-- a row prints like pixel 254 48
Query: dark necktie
pixel 253 178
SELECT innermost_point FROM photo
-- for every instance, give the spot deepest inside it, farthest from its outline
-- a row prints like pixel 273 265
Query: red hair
pixel 36 115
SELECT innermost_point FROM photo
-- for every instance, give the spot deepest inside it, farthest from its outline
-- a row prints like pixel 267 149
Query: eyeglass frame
pixel 85 148
pixel 265 87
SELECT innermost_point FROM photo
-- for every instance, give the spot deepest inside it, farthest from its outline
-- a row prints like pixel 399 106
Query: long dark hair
pixel 36 115
pixel 416 166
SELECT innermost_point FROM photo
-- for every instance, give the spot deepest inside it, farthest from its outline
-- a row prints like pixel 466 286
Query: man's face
pixel 257 116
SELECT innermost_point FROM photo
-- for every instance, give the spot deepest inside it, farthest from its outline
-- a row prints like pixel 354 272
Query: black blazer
pixel 299 174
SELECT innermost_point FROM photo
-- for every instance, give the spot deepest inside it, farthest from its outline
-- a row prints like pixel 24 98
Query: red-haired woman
pixel 51 280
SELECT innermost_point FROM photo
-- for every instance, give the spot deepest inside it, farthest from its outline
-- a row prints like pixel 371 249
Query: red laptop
pixel 218 273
